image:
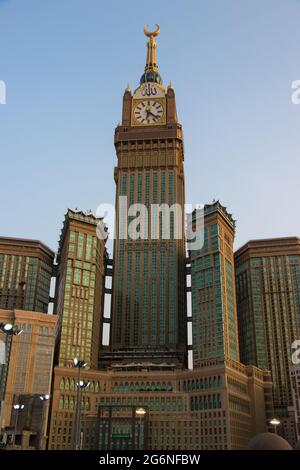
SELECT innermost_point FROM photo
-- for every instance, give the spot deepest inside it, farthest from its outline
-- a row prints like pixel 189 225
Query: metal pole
pixel 3 365
pixel 42 427
pixel 16 427
pixel 4 374
pixel 109 427
pixel 75 442
pixel 146 421
pixel 79 420
pixel 45 414
pixel 139 433
pixel 133 422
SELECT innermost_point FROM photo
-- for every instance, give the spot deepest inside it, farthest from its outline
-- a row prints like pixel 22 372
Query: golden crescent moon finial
pixel 151 33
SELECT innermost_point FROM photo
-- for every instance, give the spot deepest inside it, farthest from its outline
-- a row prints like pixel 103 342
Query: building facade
pixel 214 322
pixel 25 274
pixel 268 299
pixel 148 304
pixel 29 375
pixel 80 289
pixel 220 406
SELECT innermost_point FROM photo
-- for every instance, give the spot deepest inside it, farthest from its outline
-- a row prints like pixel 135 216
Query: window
pixel 77 276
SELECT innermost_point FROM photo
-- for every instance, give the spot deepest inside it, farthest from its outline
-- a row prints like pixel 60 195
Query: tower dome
pixel 151 77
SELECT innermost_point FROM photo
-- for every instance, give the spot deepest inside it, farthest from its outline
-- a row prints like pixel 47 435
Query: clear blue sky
pixel 66 64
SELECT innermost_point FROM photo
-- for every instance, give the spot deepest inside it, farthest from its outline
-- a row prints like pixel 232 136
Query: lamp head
pixel 275 422
pixel 17 332
pixel 17 406
pixel 79 362
pixel 83 384
pixel 6 327
pixel 44 397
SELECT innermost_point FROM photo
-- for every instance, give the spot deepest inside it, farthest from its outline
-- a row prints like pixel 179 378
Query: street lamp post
pixel 140 412
pixel 275 422
pixel 9 330
pixel 18 408
pixel 80 364
pixel 43 398
pixel 82 385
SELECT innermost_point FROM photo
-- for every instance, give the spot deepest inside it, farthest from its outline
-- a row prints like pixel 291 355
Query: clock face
pixel 148 112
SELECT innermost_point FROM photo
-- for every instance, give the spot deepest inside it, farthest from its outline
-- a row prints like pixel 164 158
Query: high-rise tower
pixel 215 329
pixel 268 303
pixel 80 289
pixel 148 306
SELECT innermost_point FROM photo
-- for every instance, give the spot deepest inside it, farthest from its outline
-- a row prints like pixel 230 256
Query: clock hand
pixel 154 115
pixel 148 114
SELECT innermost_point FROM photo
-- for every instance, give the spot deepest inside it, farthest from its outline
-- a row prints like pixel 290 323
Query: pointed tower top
pixel 151 69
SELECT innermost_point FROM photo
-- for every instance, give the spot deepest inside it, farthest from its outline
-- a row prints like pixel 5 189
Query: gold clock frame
pixel 135 103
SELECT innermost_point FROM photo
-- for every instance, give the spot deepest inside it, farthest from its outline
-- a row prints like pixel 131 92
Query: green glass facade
pixel 148 289
pixel 268 300
pixel 215 333
pixel 268 294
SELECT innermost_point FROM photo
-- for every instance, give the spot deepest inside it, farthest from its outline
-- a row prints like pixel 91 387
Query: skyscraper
pixel 29 372
pixel 215 331
pixel 80 289
pixel 148 307
pixel 25 274
pixel 268 299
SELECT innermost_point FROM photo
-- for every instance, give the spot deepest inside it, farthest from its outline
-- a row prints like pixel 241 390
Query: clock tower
pixel 148 325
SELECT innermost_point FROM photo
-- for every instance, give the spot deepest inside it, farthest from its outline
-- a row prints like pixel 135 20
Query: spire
pixel 151 65
pixel 151 69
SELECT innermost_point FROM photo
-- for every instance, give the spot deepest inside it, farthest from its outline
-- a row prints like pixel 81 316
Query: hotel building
pixel 268 301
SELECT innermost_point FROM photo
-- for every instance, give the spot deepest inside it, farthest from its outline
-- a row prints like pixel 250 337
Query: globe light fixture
pixel 275 422
pixel 6 326
pixel 81 385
